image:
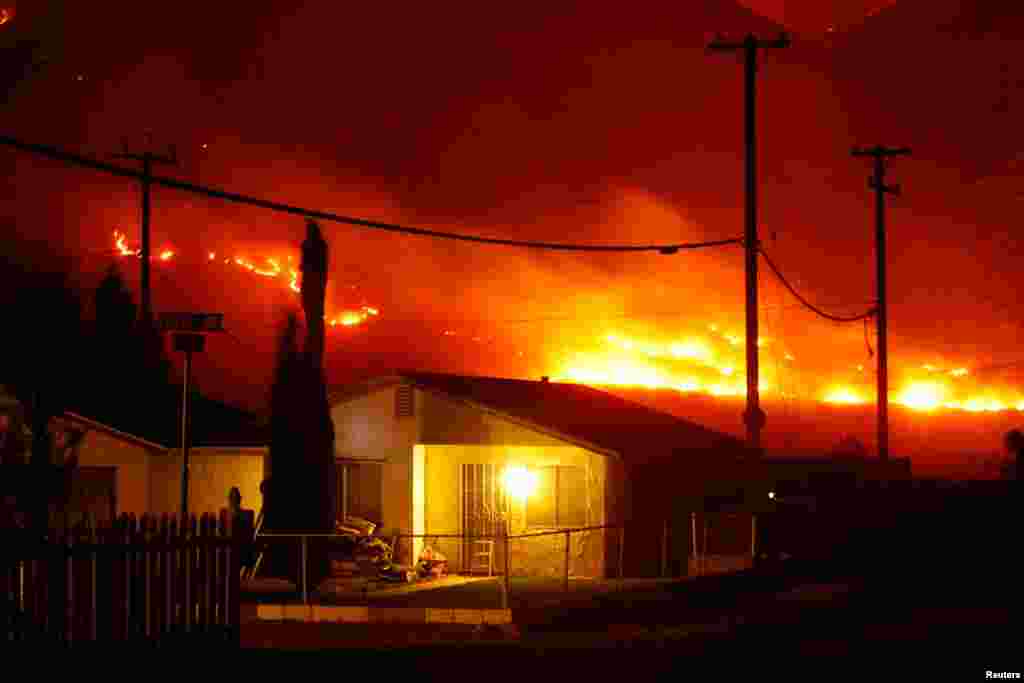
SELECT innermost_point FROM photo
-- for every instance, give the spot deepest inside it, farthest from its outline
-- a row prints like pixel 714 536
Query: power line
pixel 809 305
pixel 75 159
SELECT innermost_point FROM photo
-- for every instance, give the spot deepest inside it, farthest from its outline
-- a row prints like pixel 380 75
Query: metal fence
pixel 587 559
pixel 147 579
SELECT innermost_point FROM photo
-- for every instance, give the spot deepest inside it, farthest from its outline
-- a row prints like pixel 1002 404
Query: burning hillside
pixel 713 363
pixel 266 266
pixel 709 363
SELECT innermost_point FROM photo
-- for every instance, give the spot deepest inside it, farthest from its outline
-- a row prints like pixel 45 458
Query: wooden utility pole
pixel 877 182
pixel 753 417
pixel 147 159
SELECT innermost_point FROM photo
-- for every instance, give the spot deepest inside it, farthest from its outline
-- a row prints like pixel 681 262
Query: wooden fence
pixel 147 580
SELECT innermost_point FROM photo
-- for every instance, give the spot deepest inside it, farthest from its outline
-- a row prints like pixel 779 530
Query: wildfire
pixel 843 396
pixel 6 15
pixel 707 364
pixel 267 267
pixel 350 318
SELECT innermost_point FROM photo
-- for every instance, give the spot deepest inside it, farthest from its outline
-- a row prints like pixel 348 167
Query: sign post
pixel 188 331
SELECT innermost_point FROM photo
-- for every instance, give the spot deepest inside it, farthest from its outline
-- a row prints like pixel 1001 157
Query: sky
pixel 582 122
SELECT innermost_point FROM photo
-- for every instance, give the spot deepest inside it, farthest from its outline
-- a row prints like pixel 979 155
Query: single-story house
pixel 435 455
pixel 130 463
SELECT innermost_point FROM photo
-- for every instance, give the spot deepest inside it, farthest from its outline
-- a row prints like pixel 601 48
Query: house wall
pixel 530 556
pixel 213 471
pixel 99 449
pixel 455 434
pixel 366 428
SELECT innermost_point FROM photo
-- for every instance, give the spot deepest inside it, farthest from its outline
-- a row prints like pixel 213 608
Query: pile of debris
pixel 359 556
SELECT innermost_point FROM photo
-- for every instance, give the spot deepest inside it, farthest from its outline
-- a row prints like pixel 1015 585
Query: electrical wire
pixel 809 305
pixel 78 160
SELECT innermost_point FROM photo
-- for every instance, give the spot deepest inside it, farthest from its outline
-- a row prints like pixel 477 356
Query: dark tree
pixel 302 434
pixel 40 361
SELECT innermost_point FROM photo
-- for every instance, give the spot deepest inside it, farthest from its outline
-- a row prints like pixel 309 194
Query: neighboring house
pixel 125 465
pixel 428 453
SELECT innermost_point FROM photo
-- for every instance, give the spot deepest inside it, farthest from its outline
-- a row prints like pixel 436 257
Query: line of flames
pixel 627 362
pixel 271 269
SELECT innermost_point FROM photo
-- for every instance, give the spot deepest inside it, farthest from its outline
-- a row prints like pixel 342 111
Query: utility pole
pixel 147 158
pixel 753 417
pixel 876 182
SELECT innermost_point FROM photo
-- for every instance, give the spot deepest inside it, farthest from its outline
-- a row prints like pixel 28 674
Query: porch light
pixel 520 483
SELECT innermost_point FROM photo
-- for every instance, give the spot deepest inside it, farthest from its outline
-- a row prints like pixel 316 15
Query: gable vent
pixel 403 401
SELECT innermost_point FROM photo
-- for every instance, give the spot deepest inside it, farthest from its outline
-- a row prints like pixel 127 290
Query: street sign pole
pixel 189 344
pixel 188 330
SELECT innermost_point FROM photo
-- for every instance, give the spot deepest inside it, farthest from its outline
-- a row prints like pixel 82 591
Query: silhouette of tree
pixel 302 468
pixel 130 360
pixel 319 428
pixel 40 361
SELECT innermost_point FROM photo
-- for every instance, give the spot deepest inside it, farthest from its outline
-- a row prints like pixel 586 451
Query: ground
pixel 918 624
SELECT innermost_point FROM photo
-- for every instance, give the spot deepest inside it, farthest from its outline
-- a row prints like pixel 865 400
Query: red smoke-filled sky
pixel 588 122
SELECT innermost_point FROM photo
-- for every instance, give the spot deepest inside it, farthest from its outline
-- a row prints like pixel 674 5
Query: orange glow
pixel 6 15
pixel 843 396
pixel 269 267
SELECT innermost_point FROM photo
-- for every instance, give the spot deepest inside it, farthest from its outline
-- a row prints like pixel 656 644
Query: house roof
pixel 575 412
pixel 157 421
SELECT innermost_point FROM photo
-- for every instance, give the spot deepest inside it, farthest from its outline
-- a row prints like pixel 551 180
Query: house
pixel 129 462
pixel 436 455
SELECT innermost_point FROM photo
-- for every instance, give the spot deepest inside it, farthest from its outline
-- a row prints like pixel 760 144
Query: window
pixel 560 500
pixel 359 491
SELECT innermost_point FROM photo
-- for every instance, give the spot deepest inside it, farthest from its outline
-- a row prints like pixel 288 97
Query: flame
pixel 268 267
pixel 923 395
pixel 6 15
pixel 123 250
pixel 696 363
pixel 710 364
pixel 843 396
pixel 350 318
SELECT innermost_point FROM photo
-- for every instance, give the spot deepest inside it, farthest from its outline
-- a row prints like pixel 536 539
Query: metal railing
pixel 579 552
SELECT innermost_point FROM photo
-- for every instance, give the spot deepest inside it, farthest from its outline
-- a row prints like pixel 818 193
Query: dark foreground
pixel 935 621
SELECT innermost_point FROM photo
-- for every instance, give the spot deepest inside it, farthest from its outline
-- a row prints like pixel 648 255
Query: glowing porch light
pixel 519 482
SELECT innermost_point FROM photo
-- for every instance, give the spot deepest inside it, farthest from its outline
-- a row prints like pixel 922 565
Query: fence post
pixel 622 552
pixel 305 595
pixel 508 586
pixel 753 538
pixel 69 583
pixel 94 602
pixel 567 544
pixel 664 548
pixel 704 549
